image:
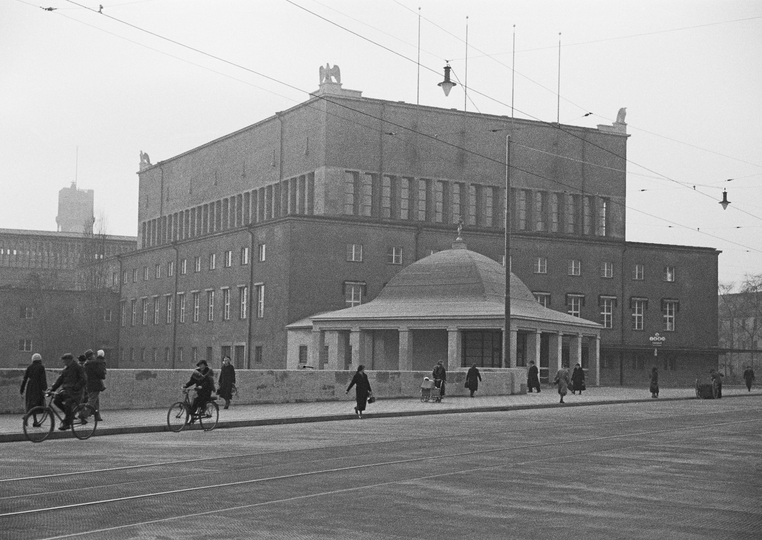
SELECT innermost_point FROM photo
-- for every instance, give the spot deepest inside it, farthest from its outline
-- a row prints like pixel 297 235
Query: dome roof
pixel 454 275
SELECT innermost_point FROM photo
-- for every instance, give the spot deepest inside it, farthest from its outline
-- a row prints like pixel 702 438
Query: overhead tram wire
pixel 373 117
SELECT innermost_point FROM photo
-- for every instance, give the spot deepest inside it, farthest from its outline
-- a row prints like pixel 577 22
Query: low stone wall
pixel 157 388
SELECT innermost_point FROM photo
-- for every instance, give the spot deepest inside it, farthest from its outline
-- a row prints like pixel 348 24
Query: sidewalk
pixel 155 420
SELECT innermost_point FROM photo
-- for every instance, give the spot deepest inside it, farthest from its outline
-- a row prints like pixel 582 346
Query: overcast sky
pixel 82 92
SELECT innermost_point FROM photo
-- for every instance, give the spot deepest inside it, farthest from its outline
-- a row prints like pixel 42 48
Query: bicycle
pixel 181 414
pixel 40 421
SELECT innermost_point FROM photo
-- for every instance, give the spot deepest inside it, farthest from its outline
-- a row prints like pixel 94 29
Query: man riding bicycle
pixel 72 383
pixel 203 380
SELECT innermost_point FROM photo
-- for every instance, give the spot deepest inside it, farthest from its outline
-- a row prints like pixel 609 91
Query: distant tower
pixel 75 210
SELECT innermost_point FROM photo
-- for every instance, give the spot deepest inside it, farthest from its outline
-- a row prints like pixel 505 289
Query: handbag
pixel 371 397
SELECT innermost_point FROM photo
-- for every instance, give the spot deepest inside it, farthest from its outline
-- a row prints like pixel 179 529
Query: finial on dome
pixel 459 243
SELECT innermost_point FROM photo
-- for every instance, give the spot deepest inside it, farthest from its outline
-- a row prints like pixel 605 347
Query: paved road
pixel 677 469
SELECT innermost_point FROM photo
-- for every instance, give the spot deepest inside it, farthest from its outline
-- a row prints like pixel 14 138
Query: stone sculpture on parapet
pixel 619 126
pixel 145 161
pixel 328 72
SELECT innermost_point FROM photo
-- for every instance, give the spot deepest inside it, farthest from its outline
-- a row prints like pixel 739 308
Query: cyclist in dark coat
pixel 72 383
pixel 203 379
pixel 35 383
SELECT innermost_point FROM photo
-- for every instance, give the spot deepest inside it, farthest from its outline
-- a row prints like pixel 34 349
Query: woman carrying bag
pixel 362 389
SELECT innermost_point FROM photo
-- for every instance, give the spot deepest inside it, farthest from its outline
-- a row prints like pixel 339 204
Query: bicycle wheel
pixel 177 417
pixel 209 416
pixel 84 422
pixel 38 424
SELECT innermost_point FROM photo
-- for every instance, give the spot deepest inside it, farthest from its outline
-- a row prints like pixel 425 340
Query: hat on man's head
pixel 67 356
pixel 89 353
pixel 101 354
pixel 202 362
pixel 81 358
pixel 36 357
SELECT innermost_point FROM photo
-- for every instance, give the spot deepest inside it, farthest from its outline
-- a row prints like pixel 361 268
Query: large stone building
pixel 316 208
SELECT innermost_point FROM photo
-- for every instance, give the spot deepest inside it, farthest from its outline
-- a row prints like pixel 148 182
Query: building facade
pixel 319 206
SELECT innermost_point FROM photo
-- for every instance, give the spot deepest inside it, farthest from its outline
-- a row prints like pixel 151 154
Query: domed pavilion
pixel 450 306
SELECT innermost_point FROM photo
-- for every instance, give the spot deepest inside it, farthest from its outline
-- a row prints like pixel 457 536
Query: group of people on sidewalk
pixel 564 382
pixel 81 381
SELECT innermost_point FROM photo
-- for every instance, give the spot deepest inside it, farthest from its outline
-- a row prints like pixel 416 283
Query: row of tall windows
pixel 145 355
pixel 194 306
pixel 55 253
pixel 294 196
pixel 574 268
pixel 440 201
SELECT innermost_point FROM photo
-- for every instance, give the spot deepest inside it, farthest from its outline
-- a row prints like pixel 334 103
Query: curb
pixel 230 424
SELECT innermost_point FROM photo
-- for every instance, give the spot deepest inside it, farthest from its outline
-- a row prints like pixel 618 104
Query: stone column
pixel 596 359
pixel 555 344
pixel 454 346
pixel 406 349
pixel 355 342
pixel 318 343
pixel 533 348
pixel 514 344
pixel 575 351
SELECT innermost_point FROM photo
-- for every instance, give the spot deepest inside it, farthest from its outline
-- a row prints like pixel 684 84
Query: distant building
pixel 318 207
pixel 75 210
pixel 740 335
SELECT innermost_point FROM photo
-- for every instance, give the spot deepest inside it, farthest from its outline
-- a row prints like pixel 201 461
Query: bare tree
pixel 740 315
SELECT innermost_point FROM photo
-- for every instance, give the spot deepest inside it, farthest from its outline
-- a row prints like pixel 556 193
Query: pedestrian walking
pixel 95 373
pixel 748 376
pixel 473 377
pixel 654 386
pixel 226 381
pixel 533 377
pixel 578 379
pixel 562 380
pixel 362 389
pixel 72 384
pixel 717 382
pixel 440 378
pixel 35 383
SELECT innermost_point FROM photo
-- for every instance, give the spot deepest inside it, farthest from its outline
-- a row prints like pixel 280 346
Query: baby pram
pixel 429 391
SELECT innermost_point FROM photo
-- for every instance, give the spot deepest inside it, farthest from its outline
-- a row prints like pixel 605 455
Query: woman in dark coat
pixel 362 389
pixel 654 386
pixel 472 379
pixel 562 380
pixel 35 382
pixel 533 377
pixel 227 381
pixel 578 379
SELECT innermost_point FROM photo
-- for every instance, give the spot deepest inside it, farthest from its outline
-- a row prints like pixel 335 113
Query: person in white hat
pixel 35 383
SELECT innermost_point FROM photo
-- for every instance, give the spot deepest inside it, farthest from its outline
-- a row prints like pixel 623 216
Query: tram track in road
pixel 369 465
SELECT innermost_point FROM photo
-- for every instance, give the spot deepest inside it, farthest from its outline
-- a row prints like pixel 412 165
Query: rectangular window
pixel 354 252
pixel 638 307
pixel 258 354
pixel 196 306
pixel 575 267
pixel 394 255
pixel 488 196
pixel 669 273
pixel 539 211
pixel 607 305
pixel 542 298
pixel 228 262
pixel 123 313
pixel 600 229
pixel 571 214
pixel 157 271
pixel 587 215
pixel 405 198
pixel 225 304
pixel 194 355
pixel 180 356
pixel 639 272
pixel 124 277
pixel 386 197
pixel 262 252
pixel 260 288
pixel 244 256
pixel 457 202
pixel 472 205
pixel 554 212
pixel 353 293
pixel 156 309
pixel 574 303
pixel 212 261
pixel 350 180
pixel 181 306
pixel 243 302
pixel 541 265
pixel 134 314
pixel 144 306
pixel 521 204
pixel 26 312
pixel 197 264
pixel 210 306
pixel 184 267
pixel 170 268
pixel 669 310
pixel 168 307
pixel 366 195
pixel 134 275
pixel 439 187
pixel 25 345
pixel 607 270
pixel 145 273
pixel 423 200
pixel 303 355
